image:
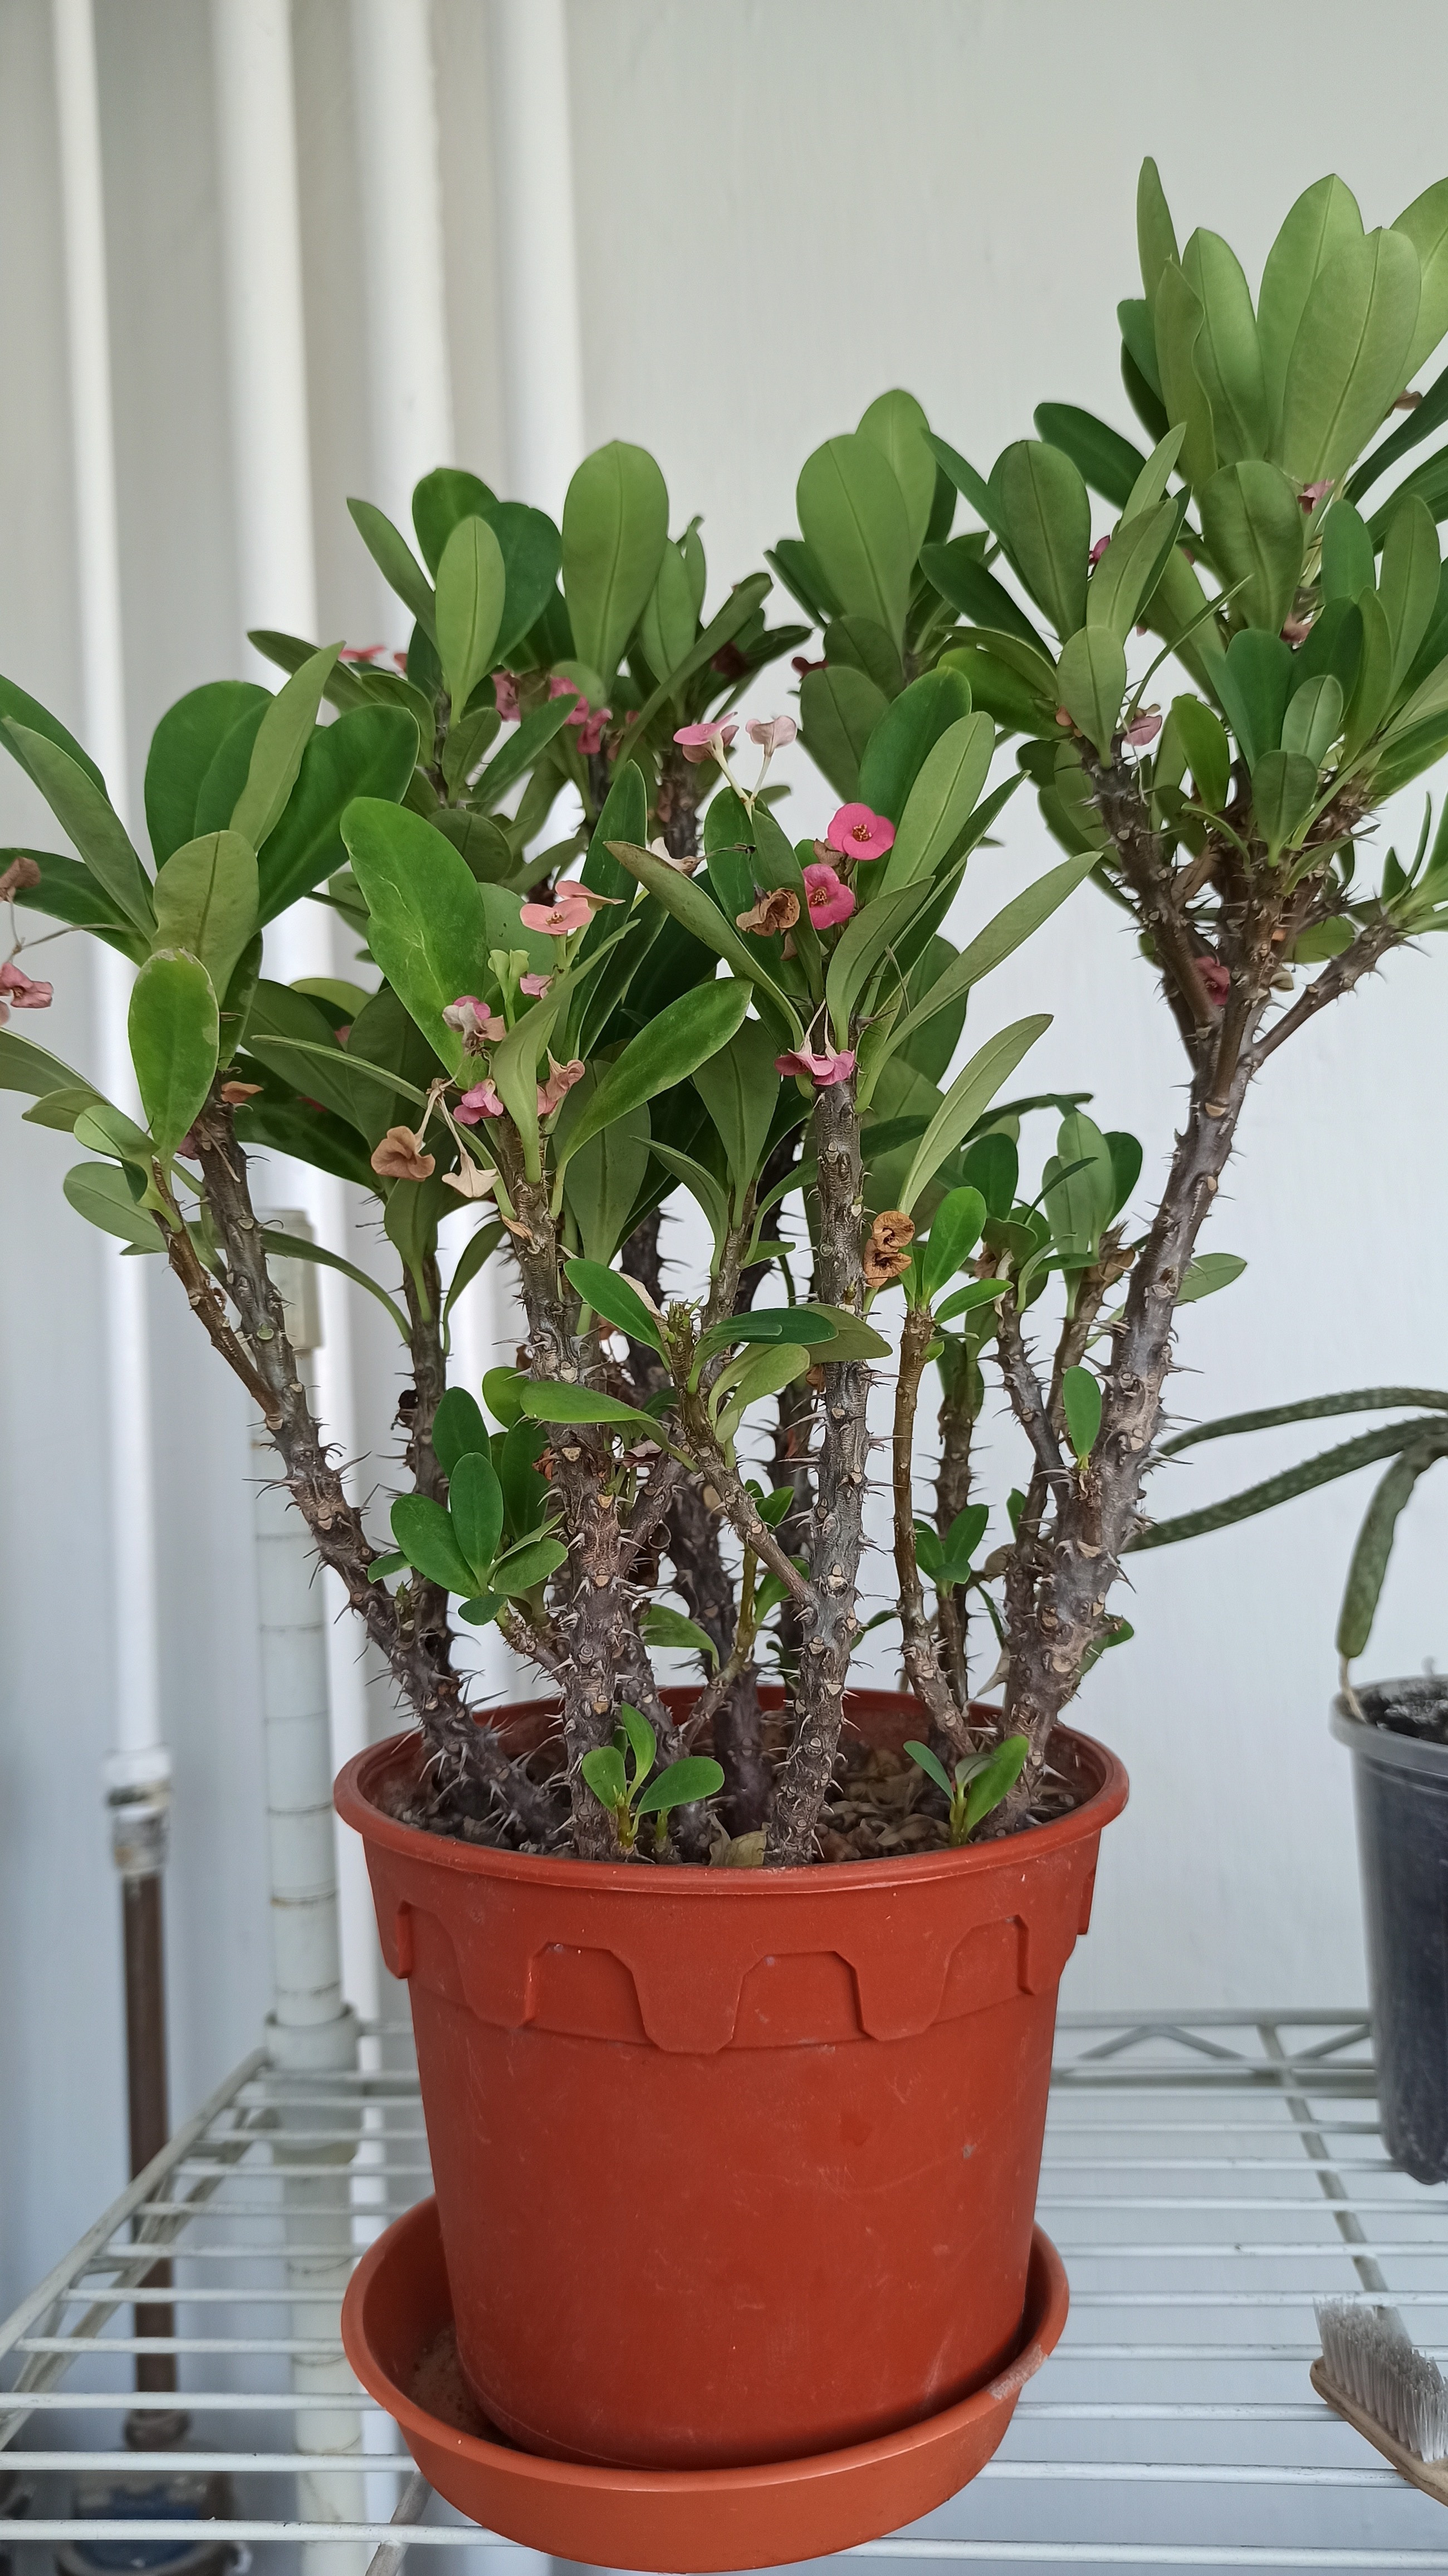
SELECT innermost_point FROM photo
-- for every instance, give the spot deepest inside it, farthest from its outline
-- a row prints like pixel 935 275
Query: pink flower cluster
pixel 569 910
pixel 591 722
pixel 822 1070
pixel 21 992
pixel 476 1022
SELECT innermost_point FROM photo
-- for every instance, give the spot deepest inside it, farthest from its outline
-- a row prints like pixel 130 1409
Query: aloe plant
pixel 551 1042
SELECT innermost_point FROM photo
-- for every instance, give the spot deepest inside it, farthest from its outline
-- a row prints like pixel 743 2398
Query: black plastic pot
pixel 1400 1789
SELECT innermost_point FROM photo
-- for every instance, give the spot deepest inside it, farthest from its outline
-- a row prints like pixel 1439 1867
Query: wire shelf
pixel 1206 2177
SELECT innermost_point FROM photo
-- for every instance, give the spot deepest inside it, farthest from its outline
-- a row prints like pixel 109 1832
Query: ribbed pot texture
pixel 732 2166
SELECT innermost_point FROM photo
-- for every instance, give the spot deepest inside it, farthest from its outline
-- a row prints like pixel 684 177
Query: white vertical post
pixel 139 1768
pixel 276 570
pixel 533 153
pixel 302 1648
pixel 399 169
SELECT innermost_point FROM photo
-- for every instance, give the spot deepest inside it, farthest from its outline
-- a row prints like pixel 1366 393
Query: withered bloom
pixel 885 1255
pixel 777 909
pixel 399 1157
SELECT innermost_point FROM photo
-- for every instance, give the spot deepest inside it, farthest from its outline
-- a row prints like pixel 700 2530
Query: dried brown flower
pixel 885 1255
pixel 399 1157
pixel 778 909
pixel 22 871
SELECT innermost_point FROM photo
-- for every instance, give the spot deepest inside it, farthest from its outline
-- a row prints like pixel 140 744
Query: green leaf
pixel 556 1400
pixel 765 1372
pixel 895 423
pixel 955 1231
pixel 1081 1404
pixel 854 520
pixel 1125 578
pixel 1313 721
pixel 796 1324
pixel 701 1185
pixel 669 625
pixel 27 712
pixel 684 1035
pixel 906 734
pixel 425 1534
pixel 978 1292
pixel 206 901
pixel 521 750
pixel 1254 683
pixel 1284 789
pixel 475 1508
pixel 1209 1272
pixel 1419 423
pixel 1156 242
pixel 1324 220
pixel 471 584
pixel 1408 581
pixel 1348 567
pixel 295 1247
pixel 666 1628
pixel 85 814
pixel 1368 1569
pixel 532 552
pixel 616 1299
pixel 961 578
pixel 682 1785
pixel 183 747
pixel 1425 222
pixel 1207 750
pixel 503 1391
pixel 1080 1188
pixel 1253 522
pixel 844 1337
pixel 397 563
pixel 174 1035
pixel 839 710
pixel 924 1760
pixel 999 940
pixel 940 803
pixel 604 1773
pixel 26 1067
pixel 642 1741
pixel 1178 322
pixel 740 1089
pixel 1091 681
pixel 1349 357
pixel 971 1092
pixel 458 1428
pixel 382 1566
pixel 285 730
pixel 1157 470
pixel 607 1173
pixel 1108 462
pixel 1228 357
pixel 99 1193
pixel 439 501
pixel 861 947
pixel 525 1490
pixel 615 529
pixel 996 1780
pixel 1140 373
pixel 862 645
pixel 1047 514
pixel 367 753
pixel 429 928
pixel 689 904
pixel 736 612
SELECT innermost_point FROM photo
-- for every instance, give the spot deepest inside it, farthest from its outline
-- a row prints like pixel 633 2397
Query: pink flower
pixel 20 992
pixel 708 741
pixel 772 733
pixel 558 687
pixel 1296 629
pixel 534 985
pixel 858 834
pixel 1312 493
pixel 1145 728
pixel 830 900
pixel 819 1069
pixel 360 652
pixel 557 918
pixel 1216 981
pixel 1097 551
pixel 505 693
pixel 561 1079
pixel 477 1023
pixel 481 1102
pixel 592 725
pixel 572 890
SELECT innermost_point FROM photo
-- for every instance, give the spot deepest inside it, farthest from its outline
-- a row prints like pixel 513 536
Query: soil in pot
pixel 733 2166
pixel 1399 1744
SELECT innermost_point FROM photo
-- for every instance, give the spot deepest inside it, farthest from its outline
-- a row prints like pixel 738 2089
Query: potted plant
pixel 1397 1731
pixel 734 2003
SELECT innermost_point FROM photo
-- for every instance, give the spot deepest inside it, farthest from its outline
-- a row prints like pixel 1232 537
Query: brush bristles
pixel 1371 2359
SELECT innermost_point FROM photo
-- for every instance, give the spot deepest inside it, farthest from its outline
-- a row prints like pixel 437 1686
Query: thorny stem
pixel 469 1756
pixel 920 1652
pixel 836 1529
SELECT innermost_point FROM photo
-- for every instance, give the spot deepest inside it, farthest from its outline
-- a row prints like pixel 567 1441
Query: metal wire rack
pixel 1206 2176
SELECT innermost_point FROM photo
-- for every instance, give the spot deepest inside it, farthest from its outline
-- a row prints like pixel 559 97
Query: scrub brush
pixel 1391 2393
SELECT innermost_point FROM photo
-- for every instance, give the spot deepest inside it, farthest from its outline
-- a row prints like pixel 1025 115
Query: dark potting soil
pixel 1417 1707
pixel 881 1807
pixel 439 2388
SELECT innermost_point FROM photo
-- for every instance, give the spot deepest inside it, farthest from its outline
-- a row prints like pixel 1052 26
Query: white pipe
pixel 400 176
pixel 276 575
pixel 140 1760
pixel 533 152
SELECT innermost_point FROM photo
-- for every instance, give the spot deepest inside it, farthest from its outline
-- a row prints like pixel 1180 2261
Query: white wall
pixel 780 209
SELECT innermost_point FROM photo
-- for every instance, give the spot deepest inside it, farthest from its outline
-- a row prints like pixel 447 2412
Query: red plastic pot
pixel 732 2166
